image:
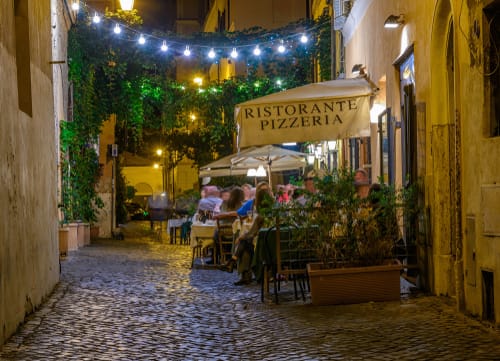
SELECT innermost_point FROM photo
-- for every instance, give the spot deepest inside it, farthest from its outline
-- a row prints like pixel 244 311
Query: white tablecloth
pixel 175 222
pixel 203 234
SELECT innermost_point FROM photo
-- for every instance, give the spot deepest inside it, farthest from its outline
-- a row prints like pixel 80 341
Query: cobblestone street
pixel 137 299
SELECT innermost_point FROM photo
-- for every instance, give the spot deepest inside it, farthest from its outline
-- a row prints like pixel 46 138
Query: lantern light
pixel 187 52
pixel 142 40
pixel 303 39
pixel 96 19
pixel 117 29
pixel 127 5
pixel 256 51
pixel 164 46
pixel 211 53
pixel 234 53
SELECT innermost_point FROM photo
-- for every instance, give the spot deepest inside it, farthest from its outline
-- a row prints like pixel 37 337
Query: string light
pixel 281 48
pixel 266 40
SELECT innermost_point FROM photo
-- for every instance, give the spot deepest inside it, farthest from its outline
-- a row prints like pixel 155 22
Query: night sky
pixel 157 14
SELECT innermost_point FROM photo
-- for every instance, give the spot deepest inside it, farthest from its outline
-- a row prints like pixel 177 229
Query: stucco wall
pixel 449 95
pixel 29 255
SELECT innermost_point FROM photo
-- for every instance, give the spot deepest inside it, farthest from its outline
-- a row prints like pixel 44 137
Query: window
pixel 23 60
pixel 491 35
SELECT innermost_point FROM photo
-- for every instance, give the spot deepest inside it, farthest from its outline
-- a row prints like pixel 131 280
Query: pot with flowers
pixel 354 239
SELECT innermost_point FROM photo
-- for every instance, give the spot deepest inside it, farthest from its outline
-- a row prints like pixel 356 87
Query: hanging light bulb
pixel 234 53
pixel 117 29
pixel 281 48
pixel 96 19
pixel 75 6
pixel 187 52
pixel 142 40
pixel 127 5
pixel 256 51
pixel 303 39
pixel 211 53
pixel 164 46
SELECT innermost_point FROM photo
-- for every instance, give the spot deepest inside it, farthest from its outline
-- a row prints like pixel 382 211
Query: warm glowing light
pixel 281 48
pixel 256 51
pixel 187 52
pixel 252 172
pixel 156 166
pixel 198 80
pixel 211 53
pixel 117 29
pixel 142 40
pixel 261 172
pixel 193 117
pixel 75 6
pixel 164 46
pixel 127 5
pixel 303 39
pixel 159 152
pixel 96 19
pixel 278 82
pixel 234 53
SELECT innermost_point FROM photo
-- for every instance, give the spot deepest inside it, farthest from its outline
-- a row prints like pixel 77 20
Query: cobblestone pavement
pixel 137 299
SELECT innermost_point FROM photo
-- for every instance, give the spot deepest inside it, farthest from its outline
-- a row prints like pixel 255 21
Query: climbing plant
pixel 112 76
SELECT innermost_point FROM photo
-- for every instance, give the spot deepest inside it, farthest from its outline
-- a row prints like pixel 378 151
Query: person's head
pixel 309 182
pixel 262 185
pixel 247 189
pixel 212 191
pixel 236 198
pixel 225 194
pixel 361 177
pixel 361 182
pixel 262 196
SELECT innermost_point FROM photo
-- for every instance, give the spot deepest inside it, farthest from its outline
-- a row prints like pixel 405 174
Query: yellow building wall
pixel 460 240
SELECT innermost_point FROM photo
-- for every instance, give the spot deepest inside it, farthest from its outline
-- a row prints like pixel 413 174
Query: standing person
pixel 244 249
pixel 361 183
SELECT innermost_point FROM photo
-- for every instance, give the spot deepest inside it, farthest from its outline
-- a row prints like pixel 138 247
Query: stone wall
pixel 29 254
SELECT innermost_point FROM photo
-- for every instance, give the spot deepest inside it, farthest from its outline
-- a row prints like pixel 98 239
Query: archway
pixel 445 159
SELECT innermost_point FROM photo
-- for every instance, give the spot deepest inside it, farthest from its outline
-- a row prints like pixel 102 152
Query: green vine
pixel 110 76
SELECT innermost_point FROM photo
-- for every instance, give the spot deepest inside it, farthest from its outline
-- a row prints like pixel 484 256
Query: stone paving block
pixel 138 299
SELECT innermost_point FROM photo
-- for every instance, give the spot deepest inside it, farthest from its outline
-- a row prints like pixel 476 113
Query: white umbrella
pixel 271 157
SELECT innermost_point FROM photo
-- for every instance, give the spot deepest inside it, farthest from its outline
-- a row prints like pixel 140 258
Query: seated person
pixel 244 248
pixel 361 183
pixel 210 204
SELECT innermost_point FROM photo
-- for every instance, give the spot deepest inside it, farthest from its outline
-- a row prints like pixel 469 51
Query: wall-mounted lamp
pixel 358 69
pixel 393 21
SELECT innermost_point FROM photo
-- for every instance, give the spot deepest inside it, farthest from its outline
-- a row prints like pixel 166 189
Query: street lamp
pixel 159 153
pixel 127 5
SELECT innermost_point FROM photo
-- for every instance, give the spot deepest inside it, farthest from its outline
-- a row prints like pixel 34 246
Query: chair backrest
pixel 225 236
pixel 291 254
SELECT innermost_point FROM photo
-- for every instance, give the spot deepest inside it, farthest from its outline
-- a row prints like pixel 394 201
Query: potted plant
pixel 354 239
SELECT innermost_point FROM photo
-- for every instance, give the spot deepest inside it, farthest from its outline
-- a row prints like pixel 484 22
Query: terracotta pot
pixel 333 286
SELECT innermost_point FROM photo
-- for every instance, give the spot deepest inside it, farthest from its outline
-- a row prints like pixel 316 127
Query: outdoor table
pixel 202 234
pixel 172 225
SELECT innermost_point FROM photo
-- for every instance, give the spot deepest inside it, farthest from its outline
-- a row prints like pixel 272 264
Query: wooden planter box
pixel 63 241
pixel 335 286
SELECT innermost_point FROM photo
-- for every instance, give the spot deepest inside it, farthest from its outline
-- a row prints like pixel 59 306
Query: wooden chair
pixel 225 236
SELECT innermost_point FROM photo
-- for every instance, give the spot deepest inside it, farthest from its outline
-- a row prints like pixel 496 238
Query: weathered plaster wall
pixel 446 95
pixel 29 255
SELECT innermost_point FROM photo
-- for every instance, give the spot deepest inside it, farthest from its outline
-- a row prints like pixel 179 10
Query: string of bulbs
pixel 166 44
